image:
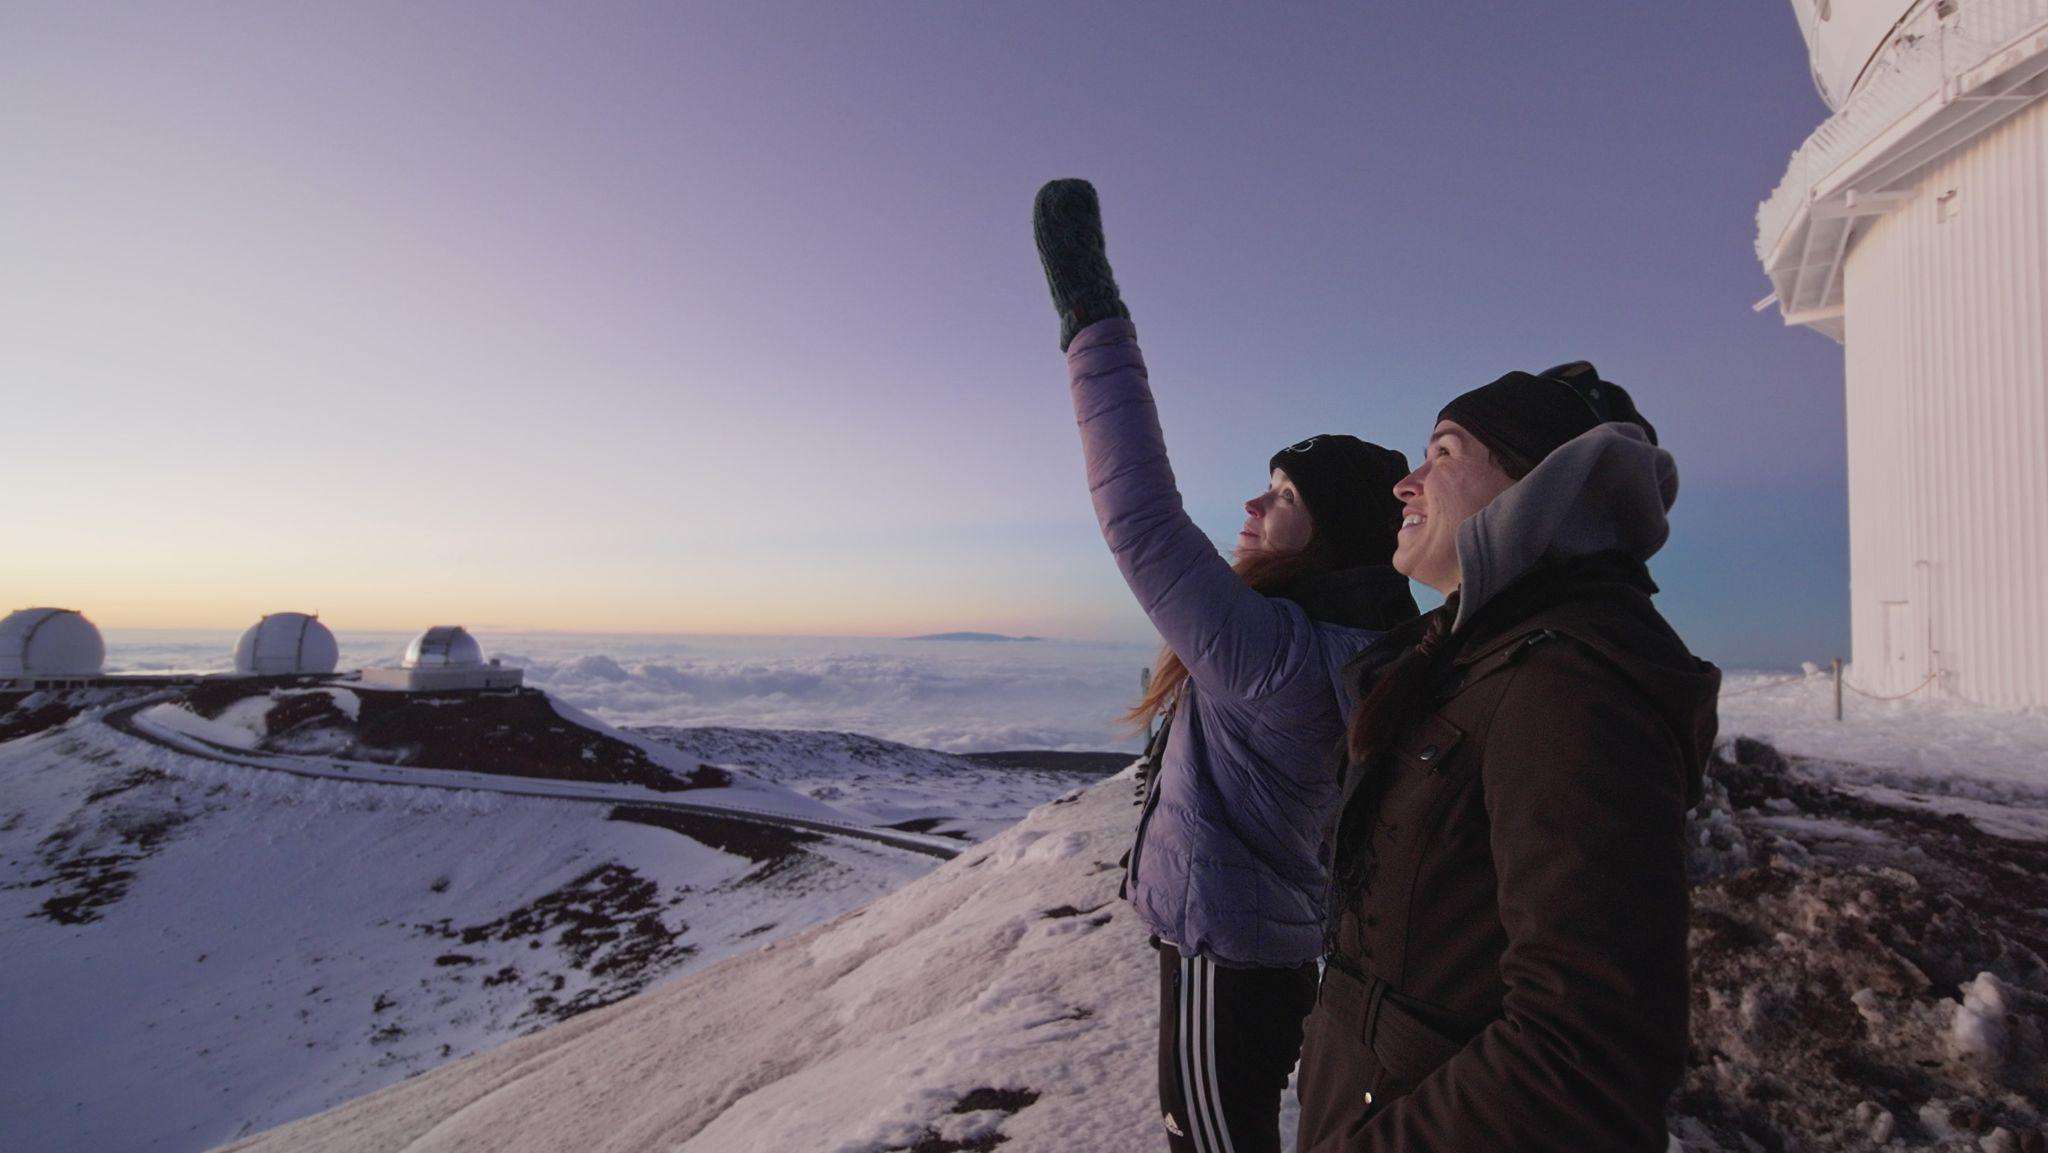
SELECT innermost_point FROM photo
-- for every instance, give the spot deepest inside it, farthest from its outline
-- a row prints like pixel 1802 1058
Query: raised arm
pixel 1233 640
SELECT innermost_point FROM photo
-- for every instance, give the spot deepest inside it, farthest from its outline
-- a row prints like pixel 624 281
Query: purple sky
pixel 726 317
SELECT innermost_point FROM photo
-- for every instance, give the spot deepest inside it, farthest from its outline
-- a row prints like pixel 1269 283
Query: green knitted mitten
pixel 1068 225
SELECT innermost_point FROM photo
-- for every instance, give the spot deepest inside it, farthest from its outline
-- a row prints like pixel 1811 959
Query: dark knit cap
pixel 1348 486
pixel 1523 418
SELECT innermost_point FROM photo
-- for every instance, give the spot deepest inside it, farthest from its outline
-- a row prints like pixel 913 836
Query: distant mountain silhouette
pixel 970 637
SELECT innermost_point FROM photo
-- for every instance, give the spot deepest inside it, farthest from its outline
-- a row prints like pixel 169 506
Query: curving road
pixel 123 720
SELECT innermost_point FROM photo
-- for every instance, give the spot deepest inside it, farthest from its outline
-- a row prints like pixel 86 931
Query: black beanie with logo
pixel 1348 485
pixel 1523 418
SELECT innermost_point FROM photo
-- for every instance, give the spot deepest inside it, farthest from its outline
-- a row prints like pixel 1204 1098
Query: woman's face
pixel 1457 478
pixel 1276 520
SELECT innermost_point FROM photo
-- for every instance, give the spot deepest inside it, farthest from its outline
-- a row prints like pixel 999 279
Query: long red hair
pixel 1266 572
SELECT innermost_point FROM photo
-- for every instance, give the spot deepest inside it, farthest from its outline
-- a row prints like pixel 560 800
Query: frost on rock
pixel 1825 972
pixel 1979 1033
pixel 1715 844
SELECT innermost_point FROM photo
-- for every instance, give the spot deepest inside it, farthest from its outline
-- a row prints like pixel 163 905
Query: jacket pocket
pixel 1407 1046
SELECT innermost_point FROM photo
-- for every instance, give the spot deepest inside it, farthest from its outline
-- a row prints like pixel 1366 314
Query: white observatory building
pixel 284 645
pixel 1912 226
pixel 47 648
pixel 443 659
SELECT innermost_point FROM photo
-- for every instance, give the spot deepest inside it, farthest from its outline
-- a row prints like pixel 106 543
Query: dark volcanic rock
pixel 1861 974
pixel 89 862
pixel 26 714
pixel 757 842
pixel 1043 760
pixel 607 923
pixel 985 1099
pixel 516 734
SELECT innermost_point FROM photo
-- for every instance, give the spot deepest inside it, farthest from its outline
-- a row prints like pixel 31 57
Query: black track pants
pixel 1228 1038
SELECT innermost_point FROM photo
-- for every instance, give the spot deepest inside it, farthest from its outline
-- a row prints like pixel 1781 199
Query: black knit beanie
pixel 1348 486
pixel 1523 418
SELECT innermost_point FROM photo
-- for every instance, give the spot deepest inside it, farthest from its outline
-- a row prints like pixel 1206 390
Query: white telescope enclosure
pixel 1843 37
pixel 286 644
pixel 38 644
pixel 1912 226
pixel 444 658
pixel 444 646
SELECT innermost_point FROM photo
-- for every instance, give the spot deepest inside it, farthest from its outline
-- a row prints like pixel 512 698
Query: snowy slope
pixel 197 950
pixel 882 782
pixel 1844 997
pixel 1867 967
pixel 1947 745
pixel 1011 975
pixel 1989 766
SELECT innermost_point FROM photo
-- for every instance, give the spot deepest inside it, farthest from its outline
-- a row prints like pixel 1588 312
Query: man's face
pixel 1457 477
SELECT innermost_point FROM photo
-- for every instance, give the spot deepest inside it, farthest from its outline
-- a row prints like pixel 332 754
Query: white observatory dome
pixel 284 644
pixel 444 647
pixel 45 642
pixel 1844 37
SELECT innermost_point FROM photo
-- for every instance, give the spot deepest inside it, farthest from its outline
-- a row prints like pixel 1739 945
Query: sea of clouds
pixel 959 696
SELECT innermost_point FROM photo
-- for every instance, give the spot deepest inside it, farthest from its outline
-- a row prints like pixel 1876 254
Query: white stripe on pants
pixel 1207 1126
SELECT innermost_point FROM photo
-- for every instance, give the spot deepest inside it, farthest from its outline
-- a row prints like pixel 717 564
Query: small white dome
pixel 46 642
pixel 444 647
pixel 284 644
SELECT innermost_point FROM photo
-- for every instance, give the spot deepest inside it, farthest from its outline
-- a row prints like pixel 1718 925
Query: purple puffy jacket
pixel 1230 859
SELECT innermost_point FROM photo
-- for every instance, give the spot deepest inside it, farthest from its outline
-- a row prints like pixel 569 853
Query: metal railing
pixel 1835 674
pixel 1918 60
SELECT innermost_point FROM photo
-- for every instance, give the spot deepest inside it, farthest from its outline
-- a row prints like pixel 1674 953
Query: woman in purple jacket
pixel 1228 869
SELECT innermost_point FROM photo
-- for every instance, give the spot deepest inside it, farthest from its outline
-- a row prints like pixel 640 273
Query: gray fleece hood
pixel 1606 490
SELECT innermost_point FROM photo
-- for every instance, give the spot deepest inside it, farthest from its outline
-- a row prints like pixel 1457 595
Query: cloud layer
pixel 956 696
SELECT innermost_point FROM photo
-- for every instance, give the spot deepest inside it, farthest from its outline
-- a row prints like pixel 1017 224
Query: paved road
pixel 123 720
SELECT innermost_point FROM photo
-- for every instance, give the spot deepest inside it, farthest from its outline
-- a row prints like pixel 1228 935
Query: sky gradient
pixel 726 318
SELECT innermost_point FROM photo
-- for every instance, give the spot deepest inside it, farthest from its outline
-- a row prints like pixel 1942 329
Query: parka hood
pixel 1563 549
pixel 1606 490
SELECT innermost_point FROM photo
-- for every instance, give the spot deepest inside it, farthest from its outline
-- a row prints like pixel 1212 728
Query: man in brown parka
pixel 1507 962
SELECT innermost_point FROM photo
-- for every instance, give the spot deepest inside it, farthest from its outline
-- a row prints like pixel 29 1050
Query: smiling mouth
pixel 1410 521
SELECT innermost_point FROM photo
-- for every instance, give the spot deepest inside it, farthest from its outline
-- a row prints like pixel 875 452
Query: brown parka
pixel 1512 977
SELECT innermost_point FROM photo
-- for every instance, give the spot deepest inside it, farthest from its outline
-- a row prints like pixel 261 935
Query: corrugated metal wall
pixel 1946 312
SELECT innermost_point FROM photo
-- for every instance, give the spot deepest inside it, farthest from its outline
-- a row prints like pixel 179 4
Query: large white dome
pixel 46 642
pixel 284 644
pixel 444 647
pixel 1843 37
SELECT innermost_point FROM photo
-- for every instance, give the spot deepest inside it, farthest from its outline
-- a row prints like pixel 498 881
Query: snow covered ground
pixel 1949 746
pixel 1943 756
pixel 1007 994
pixel 882 782
pixel 1870 918
pixel 195 950
pixel 1865 975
